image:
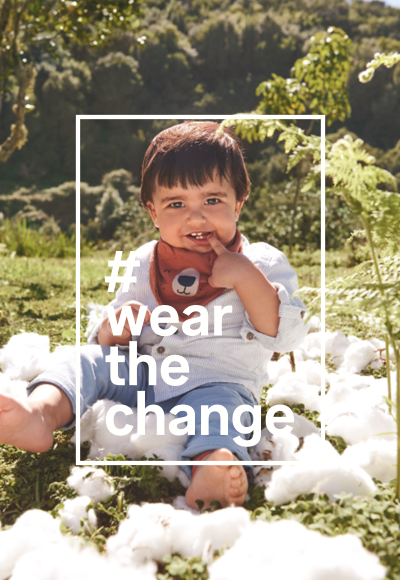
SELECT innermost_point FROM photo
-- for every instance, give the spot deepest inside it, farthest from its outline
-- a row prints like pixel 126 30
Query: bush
pixel 24 241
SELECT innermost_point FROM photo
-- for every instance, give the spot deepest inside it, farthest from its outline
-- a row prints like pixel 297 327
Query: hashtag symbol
pixel 118 263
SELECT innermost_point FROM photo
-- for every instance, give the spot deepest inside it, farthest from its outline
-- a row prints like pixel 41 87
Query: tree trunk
pixel 19 133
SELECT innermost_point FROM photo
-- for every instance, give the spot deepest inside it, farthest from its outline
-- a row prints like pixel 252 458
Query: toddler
pixel 194 184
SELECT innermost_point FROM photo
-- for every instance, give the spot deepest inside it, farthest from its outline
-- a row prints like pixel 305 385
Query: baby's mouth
pixel 200 235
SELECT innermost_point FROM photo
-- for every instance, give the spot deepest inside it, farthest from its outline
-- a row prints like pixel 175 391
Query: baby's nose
pixel 196 217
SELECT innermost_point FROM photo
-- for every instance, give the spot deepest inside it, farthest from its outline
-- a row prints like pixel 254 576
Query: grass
pixel 38 295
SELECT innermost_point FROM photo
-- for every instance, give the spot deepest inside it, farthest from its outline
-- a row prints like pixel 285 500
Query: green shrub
pixel 24 241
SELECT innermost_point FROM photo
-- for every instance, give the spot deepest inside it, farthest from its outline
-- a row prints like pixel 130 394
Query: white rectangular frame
pixel 80 118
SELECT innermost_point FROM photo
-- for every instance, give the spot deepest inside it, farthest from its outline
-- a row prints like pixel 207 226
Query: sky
pixel 394 3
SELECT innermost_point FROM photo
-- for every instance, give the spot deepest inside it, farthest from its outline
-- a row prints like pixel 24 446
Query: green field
pixel 38 294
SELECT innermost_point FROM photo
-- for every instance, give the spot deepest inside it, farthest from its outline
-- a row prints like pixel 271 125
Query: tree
pixel 318 86
pixel 319 82
pixel 51 25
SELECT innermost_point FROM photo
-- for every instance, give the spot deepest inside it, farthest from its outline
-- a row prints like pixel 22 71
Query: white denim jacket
pixel 241 354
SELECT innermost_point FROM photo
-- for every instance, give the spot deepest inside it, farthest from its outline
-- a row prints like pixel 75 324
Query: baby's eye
pixel 212 201
pixel 176 204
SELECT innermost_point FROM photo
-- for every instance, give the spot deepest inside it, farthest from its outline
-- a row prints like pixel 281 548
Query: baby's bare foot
pixel 29 424
pixel 23 425
pixel 226 484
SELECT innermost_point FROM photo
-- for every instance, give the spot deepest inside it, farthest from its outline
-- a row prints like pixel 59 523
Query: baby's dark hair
pixel 192 153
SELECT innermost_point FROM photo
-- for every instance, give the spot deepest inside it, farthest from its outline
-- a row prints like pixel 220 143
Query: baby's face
pixel 186 218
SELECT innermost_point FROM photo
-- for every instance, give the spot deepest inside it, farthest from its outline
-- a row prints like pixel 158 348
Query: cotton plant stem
pixel 378 272
pixel 389 380
pixel 397 359
pixel 389 336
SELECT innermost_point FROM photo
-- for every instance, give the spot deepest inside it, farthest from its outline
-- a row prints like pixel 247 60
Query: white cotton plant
pixel 310 348
pixel 134 446
pixel 376 456
pixel 14 387
pixel 358 356
pixel 75 514
pixel 278 368
pixel 286 549
pixel 25 356
pixel 321 470
pixel 69 560
pixel 152 531
pixel 33 530
pixel 92 482
pixel 357 423
pixel 292 389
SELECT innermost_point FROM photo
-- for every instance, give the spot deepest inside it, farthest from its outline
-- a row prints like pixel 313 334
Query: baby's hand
pixel 135 307
pixel 229 267
pixel 105 335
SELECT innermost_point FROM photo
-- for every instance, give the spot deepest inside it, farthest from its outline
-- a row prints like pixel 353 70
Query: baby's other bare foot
pixel 226 484
pixel 29 424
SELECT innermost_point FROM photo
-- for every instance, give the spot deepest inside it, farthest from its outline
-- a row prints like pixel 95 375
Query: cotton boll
pixel 91 482
pixel 25 356
pixel 312 340
pixel 362 424
pixel 67 561
pixel 32 530
pixel 15 388
pixel 311 346
pixel 302 427
pixel 132 445
pixel 377 364
pixel 263 450
pixel 318 475
pixel 312 371
pixel 168 453
pixel 358 356
pixel 376 456
pixel 275 447
pixel 338 393
pixel 289 390
pixel 377 343
pixel 106 442
pixel 143 536
pixel 87 427
pixel 337 347
pixel 208 532
pixel 278 368
pixel 179 503
pixel 340 344
pixel 152 531
pixel 315 449
pixel 151 440
pixel 74 511
pixel 184 478
pixel 312 556
pixel 329 339
pixel 314 324
pixel 267 448
pixel 284 447
pixel 355 382
pixel 344 478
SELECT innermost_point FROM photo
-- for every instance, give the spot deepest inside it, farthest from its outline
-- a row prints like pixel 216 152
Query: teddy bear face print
pixel 186 283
